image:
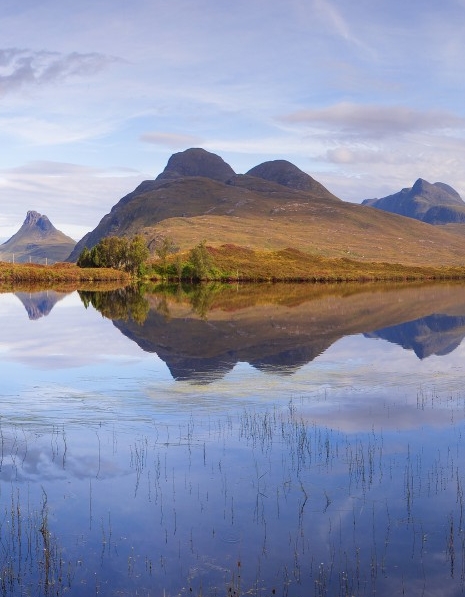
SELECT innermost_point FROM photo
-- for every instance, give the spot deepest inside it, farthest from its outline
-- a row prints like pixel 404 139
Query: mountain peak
pixel 287 174
pixel 197 162
pixel 39 221
pixel 37 240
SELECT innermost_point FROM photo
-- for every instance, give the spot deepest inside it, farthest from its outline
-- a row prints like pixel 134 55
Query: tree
pixel 116 252
pixel 163 249
pixel 137 255
pixel 201 261
pixel 85 258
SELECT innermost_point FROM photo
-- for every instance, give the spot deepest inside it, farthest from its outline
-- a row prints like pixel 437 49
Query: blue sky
pixel 96 95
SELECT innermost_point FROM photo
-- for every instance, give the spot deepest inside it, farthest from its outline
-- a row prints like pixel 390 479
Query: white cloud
pixel 24 67
pixel 374 121
pixel 171 140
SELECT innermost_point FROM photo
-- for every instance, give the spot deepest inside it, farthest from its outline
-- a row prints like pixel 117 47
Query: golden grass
pixel 341 232
pixel 67 274
pixel 232 262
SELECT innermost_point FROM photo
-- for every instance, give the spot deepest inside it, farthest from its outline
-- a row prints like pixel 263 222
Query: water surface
pixel 275 440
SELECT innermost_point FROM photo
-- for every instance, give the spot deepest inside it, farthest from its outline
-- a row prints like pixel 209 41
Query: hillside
pixel 37 241
pixel 436 203
pixel 273 206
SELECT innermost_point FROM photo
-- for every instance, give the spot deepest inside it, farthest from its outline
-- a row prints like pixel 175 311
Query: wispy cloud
pixel 171 140
pixel 374 121
pixel 328 12
pixel 24 67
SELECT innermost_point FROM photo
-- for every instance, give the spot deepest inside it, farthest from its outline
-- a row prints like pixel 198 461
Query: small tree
pixel 163 249
pixel 85 258
pixel 137 254
pixel 201 261
pixel 178 267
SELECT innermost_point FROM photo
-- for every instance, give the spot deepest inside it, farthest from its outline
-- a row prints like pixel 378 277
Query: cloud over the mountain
pixel 171 140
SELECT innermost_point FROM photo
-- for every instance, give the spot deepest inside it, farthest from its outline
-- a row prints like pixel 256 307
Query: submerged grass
pixel 306 509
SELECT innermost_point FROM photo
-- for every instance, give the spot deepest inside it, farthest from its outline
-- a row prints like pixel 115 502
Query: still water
pixel 293 440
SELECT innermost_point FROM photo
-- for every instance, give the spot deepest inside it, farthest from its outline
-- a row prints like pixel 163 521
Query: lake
pixel 242 440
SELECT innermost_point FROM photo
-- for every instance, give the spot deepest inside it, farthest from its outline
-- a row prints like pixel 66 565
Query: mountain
pixel 274 205
pixel 436 203
pixel 37 241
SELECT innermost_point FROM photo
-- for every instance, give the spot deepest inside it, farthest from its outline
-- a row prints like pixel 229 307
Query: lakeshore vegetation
pixel 58 273
pixel 230 262
pixel 124 261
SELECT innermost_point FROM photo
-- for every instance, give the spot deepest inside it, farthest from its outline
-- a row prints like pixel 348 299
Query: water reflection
pixel 435 334
pixel 202 333
pixel 39 304
pixel 340 473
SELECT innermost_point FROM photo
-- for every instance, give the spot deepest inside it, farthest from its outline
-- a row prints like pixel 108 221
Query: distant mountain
pixel 436 203
pixel 37 241
pixel 274 205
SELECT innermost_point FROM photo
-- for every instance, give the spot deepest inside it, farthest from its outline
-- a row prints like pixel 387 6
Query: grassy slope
pixel 330 231
pixel 239 263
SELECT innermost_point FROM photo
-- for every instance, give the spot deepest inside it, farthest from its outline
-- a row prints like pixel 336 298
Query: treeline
pixel 132 256
pixel 116 252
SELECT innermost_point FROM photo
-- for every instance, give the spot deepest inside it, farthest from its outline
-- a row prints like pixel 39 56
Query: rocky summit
pixel 275 205
pixel 196 162
pixel 37 241
pixel 436 203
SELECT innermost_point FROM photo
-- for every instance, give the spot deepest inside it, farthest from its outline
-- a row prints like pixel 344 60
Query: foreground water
pixel 274 441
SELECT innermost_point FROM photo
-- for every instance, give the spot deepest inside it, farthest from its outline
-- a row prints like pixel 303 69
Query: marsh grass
pixel 31 559
pixel 258 501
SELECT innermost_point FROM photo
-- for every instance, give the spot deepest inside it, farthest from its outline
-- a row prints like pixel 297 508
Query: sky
pixel 96 95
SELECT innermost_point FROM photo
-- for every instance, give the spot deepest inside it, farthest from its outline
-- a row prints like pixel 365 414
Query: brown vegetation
pixel 57 275
pixel 230 262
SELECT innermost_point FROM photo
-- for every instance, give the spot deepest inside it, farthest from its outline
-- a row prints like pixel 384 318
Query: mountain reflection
pixel 39 304
pixel 435 334
pixel 202 332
